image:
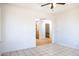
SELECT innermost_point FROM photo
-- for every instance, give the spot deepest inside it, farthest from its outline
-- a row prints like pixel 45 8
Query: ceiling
pixel 37 6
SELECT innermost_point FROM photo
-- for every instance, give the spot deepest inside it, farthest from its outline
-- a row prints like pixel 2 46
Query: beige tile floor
pixel 46 50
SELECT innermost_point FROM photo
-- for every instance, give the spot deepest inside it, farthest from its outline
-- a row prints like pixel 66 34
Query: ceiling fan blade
pixel 61 3
pixel 45 4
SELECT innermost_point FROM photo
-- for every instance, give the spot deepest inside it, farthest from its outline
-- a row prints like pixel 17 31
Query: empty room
pixel 39 29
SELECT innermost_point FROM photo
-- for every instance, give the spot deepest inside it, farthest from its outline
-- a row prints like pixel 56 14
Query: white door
pixel 41 30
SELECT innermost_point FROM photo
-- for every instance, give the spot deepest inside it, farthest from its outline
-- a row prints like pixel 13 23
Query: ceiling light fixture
pixel 54 5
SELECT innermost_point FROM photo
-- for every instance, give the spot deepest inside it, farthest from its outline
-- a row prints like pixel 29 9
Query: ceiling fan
pixel 52 4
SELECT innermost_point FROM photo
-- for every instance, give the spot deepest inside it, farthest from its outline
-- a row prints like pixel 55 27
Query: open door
pixel 43 32
pixel 37 32
pixel 47 34
pixel 47 30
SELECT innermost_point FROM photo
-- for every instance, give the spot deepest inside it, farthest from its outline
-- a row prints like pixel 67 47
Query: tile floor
pixel 46 50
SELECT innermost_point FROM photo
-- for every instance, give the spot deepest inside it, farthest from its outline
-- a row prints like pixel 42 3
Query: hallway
pixel 43 41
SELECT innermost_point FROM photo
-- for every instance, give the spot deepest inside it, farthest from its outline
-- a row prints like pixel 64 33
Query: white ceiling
pixel 37 6
pixel 33 6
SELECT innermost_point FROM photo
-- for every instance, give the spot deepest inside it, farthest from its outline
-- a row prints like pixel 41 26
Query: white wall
pixel 19 27
pixel 0 23
pixel 67 27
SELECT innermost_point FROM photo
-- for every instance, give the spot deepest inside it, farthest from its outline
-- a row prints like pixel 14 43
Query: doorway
pixel 47 31
pixel 47 34
pixel 43 32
